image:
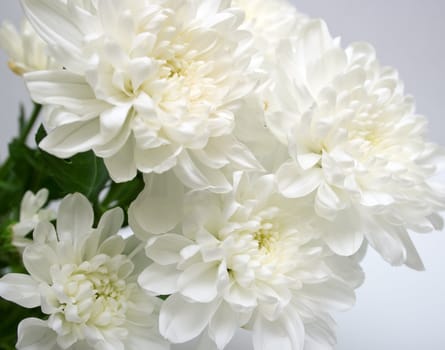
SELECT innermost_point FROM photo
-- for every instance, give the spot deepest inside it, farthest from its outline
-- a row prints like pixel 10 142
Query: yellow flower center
pixel 266 238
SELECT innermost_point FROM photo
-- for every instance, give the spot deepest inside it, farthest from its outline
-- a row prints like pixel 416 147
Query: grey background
pixel 397 308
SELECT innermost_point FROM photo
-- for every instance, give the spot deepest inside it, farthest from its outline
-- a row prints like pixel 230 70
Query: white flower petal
pixel 38 260
pixel 308 160
pixel 112 246
pixel 26 51
pixel 327 202
pixel 159 280
pixel 387 244
pixel 44 232
pixel 282 334
pixel 223 325
pixel 320 335
pixel 413 260
pixel 34 334
pixel 345 271
pixel 111 222
pixel 206 343
pixel 20 289
pixel 75 218
pixel 70 139
pixel 294 182
pixel 199 282
pixel 140 338
pixel 240 296
pixel 165 250
pixel 316 39
pixel 34 217
pixel 158 160
pixel 65 89
pixel 322 72
pixel 47 15
pixel 121 166
pixel 109 144
pixel 196 177
pixel 332 294
pixel 112 121
pixel 242 158
pixel 280 123
pixel 372 199
pixel 158 208
pixel 343 235
pixel 140 69
pixel 181 321
pixel 437 221
pixel 31 203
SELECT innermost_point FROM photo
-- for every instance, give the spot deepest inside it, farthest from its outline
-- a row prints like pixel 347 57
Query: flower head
pixel 249 259
pixel 31 214
pixel 85 281
pixel 26 51
pixel 147 85
pixel 355 147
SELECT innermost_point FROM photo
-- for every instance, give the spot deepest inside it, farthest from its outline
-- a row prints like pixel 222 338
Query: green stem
pixel 4 169
pixel 24 133
pixel 30 124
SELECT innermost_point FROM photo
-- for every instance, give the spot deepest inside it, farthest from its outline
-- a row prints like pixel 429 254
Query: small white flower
pixel 26 51
pixel 245 259
pixel 355 147
pixel 148 85
pixel 85 281
pixel 31 214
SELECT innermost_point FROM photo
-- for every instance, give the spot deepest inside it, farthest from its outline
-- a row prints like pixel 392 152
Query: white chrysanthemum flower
pixel 270 22
pixel 356 147
pixel 148 85
pixel 245 259
pixel 31 214
pixel 84 280
pixel 26 51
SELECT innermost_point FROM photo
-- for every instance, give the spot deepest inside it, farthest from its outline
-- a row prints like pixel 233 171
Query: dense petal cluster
pixel 355 147
pixel 246 259
pixel 84 280
pixel 148 85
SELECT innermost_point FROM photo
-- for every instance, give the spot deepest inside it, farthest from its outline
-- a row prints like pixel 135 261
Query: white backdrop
pixel 396 308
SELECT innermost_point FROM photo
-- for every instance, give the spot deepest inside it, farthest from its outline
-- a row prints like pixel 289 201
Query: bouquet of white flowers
pixel 202 166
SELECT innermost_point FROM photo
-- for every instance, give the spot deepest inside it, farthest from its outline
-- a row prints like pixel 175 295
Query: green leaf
pixel 123 194
pixel 84 172
pixel 15 175
pixel 9 187
pixel 12 315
